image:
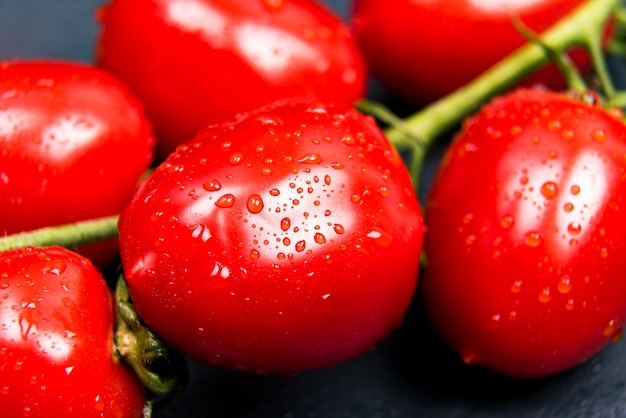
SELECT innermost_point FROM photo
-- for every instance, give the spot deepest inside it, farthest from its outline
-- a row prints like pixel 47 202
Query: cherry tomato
pixel 526 235
pixel 56 340
pixel 286 240
pixel 424 49
pixel 73 144
pixel 198 62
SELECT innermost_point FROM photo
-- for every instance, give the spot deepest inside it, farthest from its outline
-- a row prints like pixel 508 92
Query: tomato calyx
pixel 162 370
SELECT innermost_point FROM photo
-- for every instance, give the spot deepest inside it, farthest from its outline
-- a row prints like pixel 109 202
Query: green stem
pixel 69 235
pixel 434 120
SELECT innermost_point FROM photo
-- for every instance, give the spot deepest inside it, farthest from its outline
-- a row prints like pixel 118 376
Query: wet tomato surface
pixel 56 340
pixel 526 235
pixel 287 239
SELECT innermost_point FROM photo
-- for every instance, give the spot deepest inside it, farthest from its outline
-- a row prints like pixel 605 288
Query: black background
pixel 411 374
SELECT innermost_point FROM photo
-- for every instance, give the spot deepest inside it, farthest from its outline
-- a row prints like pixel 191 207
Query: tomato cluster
pixel 266 225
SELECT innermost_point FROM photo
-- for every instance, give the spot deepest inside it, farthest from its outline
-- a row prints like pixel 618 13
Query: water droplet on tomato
pixel 273 5
pixel 611 328
pixel 337 165
pixel 516 287
pixel 604 252
pixel 355 198
pixel 255 203
pixel 311 159
pixel 575 189
pixel 300 246
pixel 568 207
pixel 545 296
pixel 285 224
pixel 599 135
pixel 348 139
pixel 506 222
pixel 549 189
pixel 211 185
pixel 382 238
pixel 574 228
pixel 339 229
pixel 274 192
pixel 255 254
pixel 533 239
pixel 384 191
pixel 226 201
pixel 236 158
pixel 565 285
pixel 319 238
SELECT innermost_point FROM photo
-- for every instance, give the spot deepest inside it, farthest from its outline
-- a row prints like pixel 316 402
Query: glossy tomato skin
pixel 199 62
pixel 56 340
pixel 526 235
pixel 424 49
pixel 285 240
pixel 73 144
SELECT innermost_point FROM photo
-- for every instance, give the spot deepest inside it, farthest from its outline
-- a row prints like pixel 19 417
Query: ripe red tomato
pixel 424 49
pixel 56 340
pixel 288 239
pixel 526 235
pixel 73 144
pixel 198 62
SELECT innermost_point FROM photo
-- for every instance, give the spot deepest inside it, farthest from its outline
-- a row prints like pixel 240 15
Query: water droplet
pixel 604 252
pixel 339 229
pixel 574 228
pixel 549 189
pixel 285 224
pixel 236 158
pixel 516 130
pixel 337 166
pixel 575 190
pixel 255 203
pixel 255 254
pixel 274 192
pixel 311 159
pixel 384 191
pixel 348 139
pixel 533 239
pixel 212 185
pixel 611 328
pixel 327 180
pixel 568 207
pixel 567 134
pixel 300 246
pixel 516 287
pixel 599 135
pixel 226 201
pixel 54 267
pixel 355 198
pixel 506 222
pixel 545 295
pixel 273 5
pixel 381 238
pixel 319 238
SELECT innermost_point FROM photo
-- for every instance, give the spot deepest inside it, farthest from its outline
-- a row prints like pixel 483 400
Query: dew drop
pixel 311 159
pixel 327 180
pixel 565 285
pixel 610 329
pixel 384 191
pixel 599 135
pixel 255 203
pixel 604 252
pixel 545 295
pixel 337 166
pixel 549 189
pixel 568 207
pixel 300 246
pixel 516 287
pixel 506 222
pixel 319 238
pixel 236 158
pixel 285 224
pixel 574 228
pixel 274 192
pixel 226 201
pixel 212 185
pixel 533 239
pixel 355 198
pixel 575 190
pixel 339 229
